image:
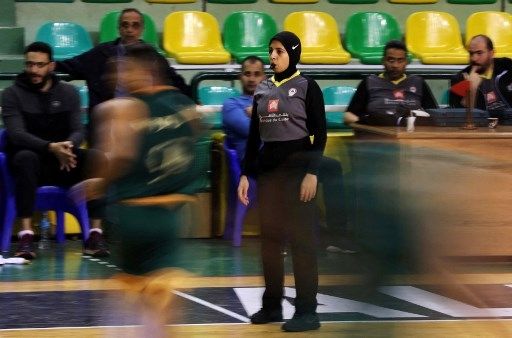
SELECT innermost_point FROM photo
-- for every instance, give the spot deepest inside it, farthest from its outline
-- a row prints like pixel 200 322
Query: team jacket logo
pixel 399 94
pixel 412 89
pixel 273 105
pixel 55 104
pixel 292 91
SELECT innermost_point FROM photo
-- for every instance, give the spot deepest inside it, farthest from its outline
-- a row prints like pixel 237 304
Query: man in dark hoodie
pixel 490 78
pixel 98 65
pixel 42 117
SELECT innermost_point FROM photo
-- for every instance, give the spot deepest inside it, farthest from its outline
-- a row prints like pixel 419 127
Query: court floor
pixel 62 294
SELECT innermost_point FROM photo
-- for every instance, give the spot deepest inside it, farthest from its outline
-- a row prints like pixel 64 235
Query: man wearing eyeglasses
pixel 98 66
pixel 42 119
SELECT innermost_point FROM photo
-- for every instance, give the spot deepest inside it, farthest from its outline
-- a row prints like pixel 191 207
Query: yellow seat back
pixel 434 38
pixel 194 37
pixel 496 25
pixel 319 36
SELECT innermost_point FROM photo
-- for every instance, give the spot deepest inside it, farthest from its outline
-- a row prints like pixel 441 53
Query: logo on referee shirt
pixel 292 91
pixel 273 105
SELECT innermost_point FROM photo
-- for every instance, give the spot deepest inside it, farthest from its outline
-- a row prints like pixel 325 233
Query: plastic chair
pixel 434 38
pixel 83 91
pixel 294 1
pixel 67 39
pixel 319 35
pixel 232 1
pixel 353 2
pixel 170 1
pixel 471 2
pixel 417 2
pixel 47 198
pixel 339 95
pixel 367 33
pixel 248 33
pixel 236 211
pixel 194 37
pixel 497 26
pixel 215 95
pixel 109 29
pixel 106 1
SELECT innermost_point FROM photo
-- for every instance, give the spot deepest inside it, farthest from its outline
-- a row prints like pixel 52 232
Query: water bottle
pixel 44 228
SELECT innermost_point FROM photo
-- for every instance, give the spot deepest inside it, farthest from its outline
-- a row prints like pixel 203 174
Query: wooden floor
pixel 209 292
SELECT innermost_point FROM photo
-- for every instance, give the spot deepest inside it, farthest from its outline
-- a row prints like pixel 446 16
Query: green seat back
pixel 366 34
pixel 106 1
pixel 109 29
pixel 248 33
pixel 355 2
pixel 216 95
pixel 67 39
pixel 337 95
pixel 471 2
pixel 232 1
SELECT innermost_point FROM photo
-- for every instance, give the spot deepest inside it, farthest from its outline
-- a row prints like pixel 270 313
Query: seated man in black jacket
pixel 98 65
pixel 385 98
pixel 42 118
pixel 490 78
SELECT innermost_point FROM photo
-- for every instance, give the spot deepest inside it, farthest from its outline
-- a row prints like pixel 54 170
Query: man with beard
pixel 489 77
pixel 42 118
pixel 384 99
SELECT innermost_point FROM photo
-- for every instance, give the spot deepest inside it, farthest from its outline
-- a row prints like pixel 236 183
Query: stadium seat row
pixel 354 2
pixel 193 37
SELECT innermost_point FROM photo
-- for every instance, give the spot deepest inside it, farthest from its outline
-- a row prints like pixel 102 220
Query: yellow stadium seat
pixel 434 38
pixel 194 37
pixel 497 26
pixel 294 1
pixel 319 35
pixel 418 2
pixel 170 1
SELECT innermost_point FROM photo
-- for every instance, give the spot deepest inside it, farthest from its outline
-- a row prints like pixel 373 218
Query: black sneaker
pixel 345 246
pixel 26 247
pixel 302 322
pixel 96 246
pixel 267 316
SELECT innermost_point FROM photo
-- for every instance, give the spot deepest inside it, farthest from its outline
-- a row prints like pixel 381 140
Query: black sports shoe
pixel 267 316
pixel 26 247
pixel 96 246
pixel 302 322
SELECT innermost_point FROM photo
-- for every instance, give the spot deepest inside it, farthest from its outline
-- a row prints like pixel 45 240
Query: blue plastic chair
pixel 47 198
pixel 216 95
pixel 337 95
pixel 67 39
pixel 236 211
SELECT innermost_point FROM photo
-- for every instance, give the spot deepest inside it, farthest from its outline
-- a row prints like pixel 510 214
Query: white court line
pixel 212 306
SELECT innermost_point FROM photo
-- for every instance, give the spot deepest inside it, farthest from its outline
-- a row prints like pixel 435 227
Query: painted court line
pixel 212 306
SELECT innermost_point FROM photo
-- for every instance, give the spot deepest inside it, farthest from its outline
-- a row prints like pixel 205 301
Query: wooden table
pixel 454 185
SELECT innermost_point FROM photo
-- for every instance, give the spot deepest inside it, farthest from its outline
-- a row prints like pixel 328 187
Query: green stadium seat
pixel 248 33
pixel 496 25
pixel 338 95
pixel 232 1
pixel 353 2
pixel 215 95
pixel 61 1
pixel 366 34
pixel 109 29
pixel 294 1
pixel 67 39
pixel 170 1
pixel 471 2
pixel 106 1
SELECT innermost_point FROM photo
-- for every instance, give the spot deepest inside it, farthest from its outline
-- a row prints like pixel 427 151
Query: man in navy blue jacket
pixel 97 66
